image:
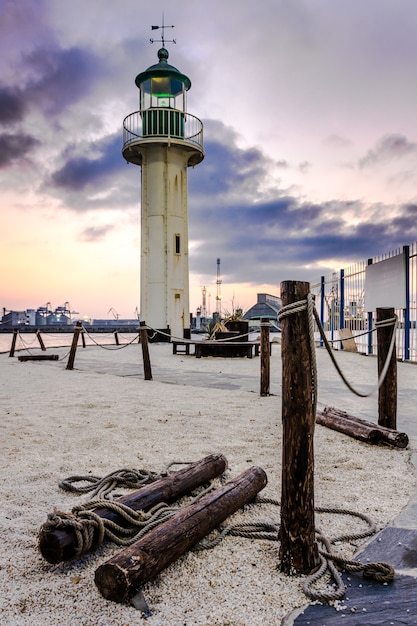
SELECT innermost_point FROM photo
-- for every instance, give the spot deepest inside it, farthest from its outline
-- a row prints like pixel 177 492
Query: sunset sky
pixel 310 128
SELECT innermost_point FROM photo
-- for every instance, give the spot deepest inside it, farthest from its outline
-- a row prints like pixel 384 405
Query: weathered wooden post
pixel 83 338
pixel 387 392
pixel 145 351
pixel 14 339
pixel 298 550
pixel 39 338
pixel 77 330
pixel 116 338
pixel 265 357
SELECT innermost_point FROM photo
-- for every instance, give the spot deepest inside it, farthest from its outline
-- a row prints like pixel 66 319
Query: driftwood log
pixel 58 545
pixel 360 429
pixel 39 357
pixel 119 578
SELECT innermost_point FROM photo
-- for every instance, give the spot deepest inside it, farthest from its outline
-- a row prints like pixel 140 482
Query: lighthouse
pixel 164 140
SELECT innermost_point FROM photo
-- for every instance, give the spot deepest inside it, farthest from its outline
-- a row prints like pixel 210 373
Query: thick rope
pixel 298 307
pixel 384 371
pixel 308 304
pixel 380 571
pixel 102 488
pixel 91 529
pixel 107 347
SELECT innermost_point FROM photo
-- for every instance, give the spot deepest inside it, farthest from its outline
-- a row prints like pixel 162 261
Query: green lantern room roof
pixel 162 70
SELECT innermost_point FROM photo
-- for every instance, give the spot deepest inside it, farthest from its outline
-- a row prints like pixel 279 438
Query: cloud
pixel 387 149
pixel 59 78
pixel 12 105
pixel 80 172
pixel 15 147
pixel 95 233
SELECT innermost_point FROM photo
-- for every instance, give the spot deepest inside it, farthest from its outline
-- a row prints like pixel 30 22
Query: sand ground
pixel 104 416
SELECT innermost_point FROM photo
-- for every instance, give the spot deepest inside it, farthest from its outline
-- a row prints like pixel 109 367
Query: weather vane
pixel 163 33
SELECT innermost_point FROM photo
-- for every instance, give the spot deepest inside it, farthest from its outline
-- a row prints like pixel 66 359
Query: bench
pixel 219 348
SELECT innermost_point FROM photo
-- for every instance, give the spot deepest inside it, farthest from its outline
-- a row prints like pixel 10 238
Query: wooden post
pixel 119 578
pixel 83 338
pixel 387 393
pixel 14 339
pixel 265 357
pixel 59 544
pixel 145 351
pixel 116 338
pixel 71 358
pixel 41 343
pixel 298 550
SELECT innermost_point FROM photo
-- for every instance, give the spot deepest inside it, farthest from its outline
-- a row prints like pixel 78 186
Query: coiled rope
pixel 90 529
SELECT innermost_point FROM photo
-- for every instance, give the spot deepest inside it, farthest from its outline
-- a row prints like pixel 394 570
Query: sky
pixel 310 137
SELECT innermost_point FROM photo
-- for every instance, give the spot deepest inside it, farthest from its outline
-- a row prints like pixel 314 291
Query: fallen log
pixel 39 357
pixel 360 429
pixel 119 578
pixel 60 544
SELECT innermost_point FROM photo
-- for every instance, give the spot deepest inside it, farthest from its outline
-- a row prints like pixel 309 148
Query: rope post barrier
pixel 145 351
pixel 83 337
pixel 77 330
pixel 116 338
pixel 39 338
pixel 387 392
pixel 265 357
pixel 298 550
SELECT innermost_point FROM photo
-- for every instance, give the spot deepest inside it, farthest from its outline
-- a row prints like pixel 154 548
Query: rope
pixel 308 304
pixel 384 371
pixel 298 307
pixel 103 487
pixel 105 347
pixel 380 571
pixel 91 529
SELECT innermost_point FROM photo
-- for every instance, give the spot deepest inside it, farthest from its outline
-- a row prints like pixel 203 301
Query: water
pixel 26 342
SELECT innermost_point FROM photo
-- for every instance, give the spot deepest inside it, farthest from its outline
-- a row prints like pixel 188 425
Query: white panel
pixel 385 284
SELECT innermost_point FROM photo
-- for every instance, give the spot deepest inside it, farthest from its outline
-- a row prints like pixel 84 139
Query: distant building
pixel 267 306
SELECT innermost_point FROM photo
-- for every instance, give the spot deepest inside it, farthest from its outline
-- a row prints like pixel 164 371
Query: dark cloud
pixel 387 149
pixel 226 168
pixel 80 172
pixel 286 239
pixel 12 105
pixel 15 147
pixel 95 233
pixel 58 78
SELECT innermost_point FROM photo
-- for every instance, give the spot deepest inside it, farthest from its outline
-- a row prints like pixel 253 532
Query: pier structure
pixel 164 140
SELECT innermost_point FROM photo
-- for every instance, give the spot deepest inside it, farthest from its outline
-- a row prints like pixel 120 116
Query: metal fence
pixel 340 300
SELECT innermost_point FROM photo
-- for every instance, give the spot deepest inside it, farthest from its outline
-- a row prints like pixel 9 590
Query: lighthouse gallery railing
pixel 162 122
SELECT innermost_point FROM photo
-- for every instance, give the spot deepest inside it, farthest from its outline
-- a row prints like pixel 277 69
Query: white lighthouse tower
pixel 164 139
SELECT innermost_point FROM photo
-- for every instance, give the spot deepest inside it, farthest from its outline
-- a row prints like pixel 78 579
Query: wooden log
pixel 77 330
pixel 57 545
pixel 387 392
pixel 360 429
pixel 39 357
pixel 298 550
pixel 145 351
pixel 119 578
pixel 265 357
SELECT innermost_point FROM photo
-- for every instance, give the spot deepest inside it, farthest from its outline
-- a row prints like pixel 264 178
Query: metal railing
pixel 340 301
pixel 162 122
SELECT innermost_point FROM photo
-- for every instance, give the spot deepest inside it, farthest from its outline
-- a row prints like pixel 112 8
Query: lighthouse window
pixel 177 244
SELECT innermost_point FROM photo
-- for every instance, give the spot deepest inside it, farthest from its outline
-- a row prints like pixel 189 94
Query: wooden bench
pixel 208 347
pixel 182 347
